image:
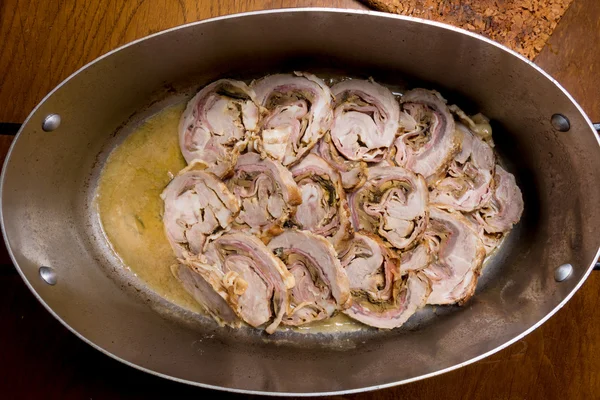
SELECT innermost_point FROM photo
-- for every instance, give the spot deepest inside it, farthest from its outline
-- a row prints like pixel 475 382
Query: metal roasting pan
pixel 50 177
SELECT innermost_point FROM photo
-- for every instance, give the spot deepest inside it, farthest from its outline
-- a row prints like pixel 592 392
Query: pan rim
pixel 288 11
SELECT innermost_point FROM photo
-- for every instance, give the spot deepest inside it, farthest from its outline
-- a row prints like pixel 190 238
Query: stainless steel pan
pixel 51 172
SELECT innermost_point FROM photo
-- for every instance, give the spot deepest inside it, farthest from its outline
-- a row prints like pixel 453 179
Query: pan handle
pixel 597 127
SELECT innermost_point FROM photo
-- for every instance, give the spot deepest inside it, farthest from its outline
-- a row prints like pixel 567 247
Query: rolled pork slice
pixel 244 273
pixel 429 142
pixel 352 173
pixel 467 184
pixel 298 112
pixel 267 193
pixel 324 210
pixel 505 206
pixel 210 301
pixel 365 119
pixel 197 205
pixel 458 255
pixel 392 203
pixel 381 297
pixel 321 284
pixel 217 125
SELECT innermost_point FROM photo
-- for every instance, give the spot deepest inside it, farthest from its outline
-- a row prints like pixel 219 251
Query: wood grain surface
pixel 43 41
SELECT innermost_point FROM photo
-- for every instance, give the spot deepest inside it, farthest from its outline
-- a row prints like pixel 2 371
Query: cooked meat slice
pixel 267 193
pixel 365 119
pixel 210 301
pixel 240 269
pixel 380 296
pixel 321 283
pixel 504 208
pixel 466 186
pixel 217 123
pixel 458 255
pixel 196 205
pixel 324 210
pixel 353 173
pixel 298 113
pixel 429 142
pixel 393 203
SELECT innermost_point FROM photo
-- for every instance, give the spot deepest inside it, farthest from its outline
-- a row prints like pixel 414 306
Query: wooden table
pixel 42 42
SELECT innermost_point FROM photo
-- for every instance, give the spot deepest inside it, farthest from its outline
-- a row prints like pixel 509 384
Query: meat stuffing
pixel 301 201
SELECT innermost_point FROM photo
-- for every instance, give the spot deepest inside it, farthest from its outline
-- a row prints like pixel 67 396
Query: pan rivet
pixel 563 272
pixel 48 275
pixel 51 122
pixel 560 123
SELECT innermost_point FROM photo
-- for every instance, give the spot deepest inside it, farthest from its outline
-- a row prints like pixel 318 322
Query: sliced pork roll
pixel 393 203
pixel 467 184
pixel 298 113
pixel 196 205
pixel 217 123
pixel 353 173
pixel 429 142
pixel 210 301
pixel 380 296
pixel 242 271
pixel 458 255
pixel 505 206
pixel 267 193
pixel 324 210
pixel 365 119
pixel 321 283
